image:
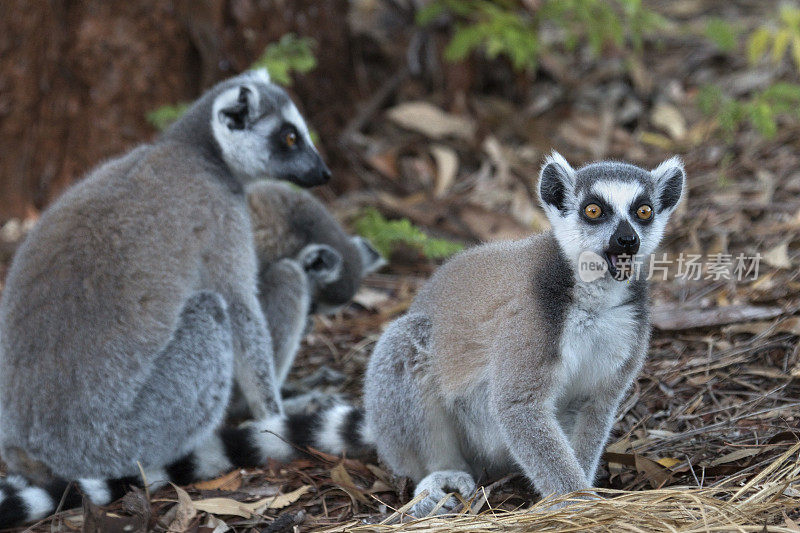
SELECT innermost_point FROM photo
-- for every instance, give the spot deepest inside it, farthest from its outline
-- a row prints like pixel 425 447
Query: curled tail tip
pixel 12 508
pixel 22 502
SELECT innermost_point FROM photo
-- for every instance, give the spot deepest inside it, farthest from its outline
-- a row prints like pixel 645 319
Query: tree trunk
pixel 78 77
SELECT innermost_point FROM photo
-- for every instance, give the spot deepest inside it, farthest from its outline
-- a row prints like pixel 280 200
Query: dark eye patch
pixel 277 139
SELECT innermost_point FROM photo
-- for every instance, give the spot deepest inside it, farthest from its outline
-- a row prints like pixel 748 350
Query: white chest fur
pixel 599 334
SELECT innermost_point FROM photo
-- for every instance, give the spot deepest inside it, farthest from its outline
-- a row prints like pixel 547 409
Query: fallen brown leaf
pixel 340 476
pixel 229 506
pixel 230 481
pixel 185 513
pixel 736 455
pixel 431 121
pixel 446 168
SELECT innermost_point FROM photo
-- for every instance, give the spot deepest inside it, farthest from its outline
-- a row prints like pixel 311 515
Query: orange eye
pixel 290 139
pixel 592 211
pixel 644 212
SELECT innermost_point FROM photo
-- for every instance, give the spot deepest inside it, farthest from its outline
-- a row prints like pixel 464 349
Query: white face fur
pixel 261 134
pixel 572 198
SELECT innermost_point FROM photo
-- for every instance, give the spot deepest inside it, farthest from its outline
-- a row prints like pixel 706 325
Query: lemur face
pixel 611 209
pixel 262 135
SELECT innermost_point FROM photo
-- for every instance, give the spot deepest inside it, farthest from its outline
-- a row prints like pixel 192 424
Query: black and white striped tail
pixel 336 430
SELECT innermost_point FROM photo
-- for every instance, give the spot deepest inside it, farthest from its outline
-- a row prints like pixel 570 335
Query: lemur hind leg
pixel 179 402
pixel 414 434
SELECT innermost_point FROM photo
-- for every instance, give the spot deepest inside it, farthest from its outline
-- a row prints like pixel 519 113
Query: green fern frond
pixel 160 118
pixel 510 29
pixel 290 54
pixel 385 235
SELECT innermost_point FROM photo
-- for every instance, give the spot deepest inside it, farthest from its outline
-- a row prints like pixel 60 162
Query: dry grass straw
pixel 764 503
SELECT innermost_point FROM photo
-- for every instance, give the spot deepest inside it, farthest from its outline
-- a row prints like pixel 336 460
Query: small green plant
pixel 510 28
pixel 385 235
pixel 723 34
pixel 290 54
pixel 776 41
pixel 165 115
pixel 761 109
pixel 497 28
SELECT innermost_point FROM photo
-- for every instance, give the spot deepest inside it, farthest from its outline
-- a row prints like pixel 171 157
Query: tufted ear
pixel 556 181
pixel 670 179
pixel 260 74
pixel 371 259
pixel 236 113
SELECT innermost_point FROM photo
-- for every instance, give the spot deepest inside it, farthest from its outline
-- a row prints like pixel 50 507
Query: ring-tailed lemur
pixel 131 308
pixel 508 359
pixel 307 263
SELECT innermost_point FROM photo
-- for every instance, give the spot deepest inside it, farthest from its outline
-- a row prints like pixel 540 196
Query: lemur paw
pixel 439 485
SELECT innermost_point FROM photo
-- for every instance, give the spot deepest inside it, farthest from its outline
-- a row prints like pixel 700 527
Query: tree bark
pixel 77 78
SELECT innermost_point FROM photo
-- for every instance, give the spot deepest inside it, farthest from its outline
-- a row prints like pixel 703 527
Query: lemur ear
pixel 371 259
pixel 237 114
pixel 321 262
pixel 670 179
pixel 556 180
pixel 261 74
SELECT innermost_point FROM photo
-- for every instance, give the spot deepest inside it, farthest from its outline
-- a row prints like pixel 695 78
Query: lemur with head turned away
pixel 132 308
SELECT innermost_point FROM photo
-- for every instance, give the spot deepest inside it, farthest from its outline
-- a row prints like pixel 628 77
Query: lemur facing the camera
pixel 132 308
pixel 507 359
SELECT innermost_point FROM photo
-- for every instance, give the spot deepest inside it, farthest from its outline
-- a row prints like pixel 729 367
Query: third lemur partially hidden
pixel 509 359
pixel 307 263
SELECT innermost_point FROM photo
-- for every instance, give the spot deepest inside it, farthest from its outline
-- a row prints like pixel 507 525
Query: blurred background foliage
pixel 593 78
pixel 281 59
pixel 513 29
pixel 771 42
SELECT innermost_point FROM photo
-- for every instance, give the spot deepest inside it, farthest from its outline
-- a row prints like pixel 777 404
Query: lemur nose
pixel 628 241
